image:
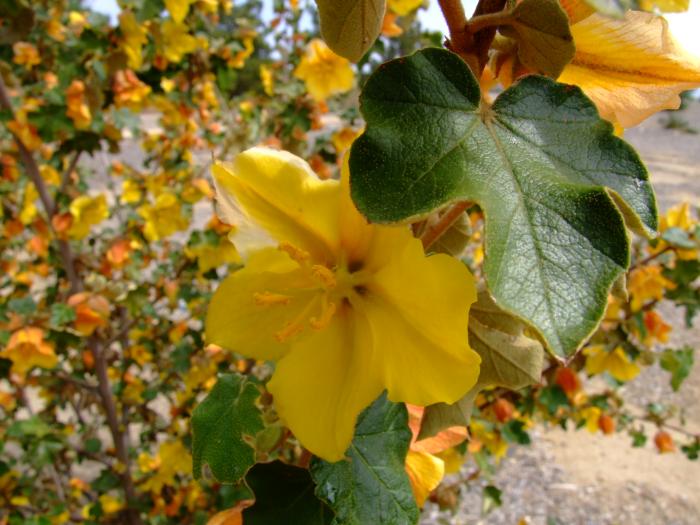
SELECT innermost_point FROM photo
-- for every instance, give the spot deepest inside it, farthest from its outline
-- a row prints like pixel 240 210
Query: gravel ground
pixel 576 478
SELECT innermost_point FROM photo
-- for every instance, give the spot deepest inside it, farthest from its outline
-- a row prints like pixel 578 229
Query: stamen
pixel 289 331
pixel 325 276
pixel 325 318
pixel 295 253
pixel 269 298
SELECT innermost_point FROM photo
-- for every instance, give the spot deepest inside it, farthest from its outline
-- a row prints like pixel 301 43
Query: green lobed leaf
pixel 679 363
pixel 541 28
pixel 284 494
pixel 350 27
pixel 540 162
pixel 220 425
pixel 509 358
pixel 371 486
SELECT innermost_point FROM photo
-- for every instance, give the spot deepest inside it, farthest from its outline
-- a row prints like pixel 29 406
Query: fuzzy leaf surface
pixel 540 162
pixel 371 486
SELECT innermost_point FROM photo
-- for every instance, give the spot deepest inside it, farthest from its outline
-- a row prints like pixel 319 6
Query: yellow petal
pixel 425 472
pixel 420 331
pixel 620 366
pixel 324 382
pixel 237 318
pixel 279 193
pixel 631 67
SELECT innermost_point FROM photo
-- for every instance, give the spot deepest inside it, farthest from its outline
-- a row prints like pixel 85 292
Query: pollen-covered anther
pixel 323 275
pixel 269 298
pixel 297 254
pixel 318 323
pixel 289 331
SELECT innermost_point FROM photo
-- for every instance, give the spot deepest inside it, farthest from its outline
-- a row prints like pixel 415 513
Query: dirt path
pixel 576 478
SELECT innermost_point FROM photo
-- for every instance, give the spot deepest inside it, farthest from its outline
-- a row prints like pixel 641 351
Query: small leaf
pixel 678 238
pixel 219 425
pixel 61 314
pixel 350 27
pixel 371 486
pixel 679 363
pixel 492 499
pixel 541 28
pixel 540 163
pixel 509 358
pixel 284 494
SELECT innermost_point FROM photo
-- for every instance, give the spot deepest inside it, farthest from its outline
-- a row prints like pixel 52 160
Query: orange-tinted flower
pixel 647 283
pixel 27 349
pixel 664 442
pixel 25 54
pixel 91 312
pixel 657 329
pixel 129 91
pixel 78 110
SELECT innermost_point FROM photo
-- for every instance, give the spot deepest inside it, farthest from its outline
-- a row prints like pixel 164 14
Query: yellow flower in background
pixel 403 7
pixel 163 217
pixel 345 308
pixel 56 30
pixel 678 216
pixel 343 139
pixel 616 362
pixel 268 80
pixel 324 72
pixel 131 192
pixel 25 54
pixel 134 39
pixel 27 349
pixel 178 9
pixel 129 91
pixel 210 257
pixel 647 283
pixel 177 41
pixel 172 459
pixel 630 67
pixel 481 436
pixel 591 416
pixel 23 130
pixel 29 210
pixel 238 60
pixel 49 174
pixel 657 329
pixel 87 212
pixel 78 110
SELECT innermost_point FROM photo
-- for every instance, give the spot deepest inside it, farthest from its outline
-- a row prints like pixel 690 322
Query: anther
pixel 289 331
pixel 295 253
pixel 325 318
pixel 268 298
pixel 325 276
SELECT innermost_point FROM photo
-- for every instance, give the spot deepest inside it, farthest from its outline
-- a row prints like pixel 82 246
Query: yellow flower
pixel 131 192
pixel 25 54
pixel 677 217
pixel 172 459
pixel 27 349
pixel 134 39
pixel 55 30
pixel 78 110
pixel 483 437
pixel 177 41
pixel 647 283
pixel 267 79
pixel 345 308
pixel 630 67
pixel 129 91
pixel 178 9
pixel 163 218
pixel 616 362
pixel 324 72
pixel 590 415
pixel 29 210
pixel 238 60
pixel 403 7
pixel 86 212
pixel 210 257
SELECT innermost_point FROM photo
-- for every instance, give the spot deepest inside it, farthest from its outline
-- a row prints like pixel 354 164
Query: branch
pixel 104 387
pixel 447 219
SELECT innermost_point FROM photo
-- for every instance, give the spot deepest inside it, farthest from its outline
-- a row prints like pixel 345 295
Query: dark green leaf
pixel 553 397
pixel 514 431
pixel 24 306
pixel 284 494
pixel 491 499
pixel 371 486
pixel 548 172
pixel 220 425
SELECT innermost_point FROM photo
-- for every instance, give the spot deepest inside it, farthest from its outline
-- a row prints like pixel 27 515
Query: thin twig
pixel 65 179
pixel 447 219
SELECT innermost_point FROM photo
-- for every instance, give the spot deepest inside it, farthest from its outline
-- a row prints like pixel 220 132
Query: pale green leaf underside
pixel 371 486
pixel 509 358
pixel 350 27
pixel 541 28
pixel 538 162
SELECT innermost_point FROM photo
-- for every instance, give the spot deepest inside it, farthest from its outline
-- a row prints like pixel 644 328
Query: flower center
pixel 324 291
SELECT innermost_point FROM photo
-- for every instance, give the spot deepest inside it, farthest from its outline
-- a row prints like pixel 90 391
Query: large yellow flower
pixel 347 309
